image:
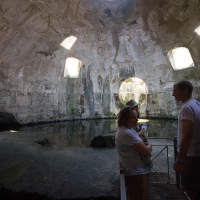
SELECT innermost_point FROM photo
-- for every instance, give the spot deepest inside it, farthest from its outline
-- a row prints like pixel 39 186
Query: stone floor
pixel 59 173
pixel 28 169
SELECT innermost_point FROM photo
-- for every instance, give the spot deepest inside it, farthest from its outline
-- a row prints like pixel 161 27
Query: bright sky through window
pixel 72 67
pixel 197 30
pixel 180 58
pixel 68 42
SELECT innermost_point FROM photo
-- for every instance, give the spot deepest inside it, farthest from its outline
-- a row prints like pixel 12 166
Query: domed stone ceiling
pixel 113 40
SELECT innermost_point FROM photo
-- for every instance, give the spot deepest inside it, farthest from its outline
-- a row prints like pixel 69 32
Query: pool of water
pixel 79 133
pixel 51 169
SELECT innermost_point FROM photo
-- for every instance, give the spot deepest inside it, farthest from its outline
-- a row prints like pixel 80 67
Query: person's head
pixel 127 117
pixel 182 91
pixel 133 103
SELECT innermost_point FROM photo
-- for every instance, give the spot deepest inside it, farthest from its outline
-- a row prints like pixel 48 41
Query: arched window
pixel 134 88
pixel 180 58
pixel 72 67
pixel 197 30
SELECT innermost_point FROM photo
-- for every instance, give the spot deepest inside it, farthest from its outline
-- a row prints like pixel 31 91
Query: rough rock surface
pixel 103 141
pixel 116 40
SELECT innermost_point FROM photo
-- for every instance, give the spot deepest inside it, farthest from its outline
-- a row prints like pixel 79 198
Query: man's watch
pixel 180 162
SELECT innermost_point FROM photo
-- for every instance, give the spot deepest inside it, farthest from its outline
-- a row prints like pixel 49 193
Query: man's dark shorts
pixel 190 179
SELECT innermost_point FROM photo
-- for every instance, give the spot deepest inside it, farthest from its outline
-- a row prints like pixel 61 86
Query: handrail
pixel 122 188
pixel 123 195
pixel 165 146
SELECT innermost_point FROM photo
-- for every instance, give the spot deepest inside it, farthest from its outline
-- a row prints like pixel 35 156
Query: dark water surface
pixel 72 170
pixel 79 133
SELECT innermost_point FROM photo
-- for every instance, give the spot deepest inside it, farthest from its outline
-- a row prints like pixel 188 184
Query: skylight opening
pixel 68 42
pixel 72 67
pixel 180 58
pixel 197 30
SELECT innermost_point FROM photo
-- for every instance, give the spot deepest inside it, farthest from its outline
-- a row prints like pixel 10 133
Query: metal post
pixel 168 165
pixel 175 157
pixel 123 195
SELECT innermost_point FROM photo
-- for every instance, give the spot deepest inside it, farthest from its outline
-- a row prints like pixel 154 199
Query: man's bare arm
pixel 187 128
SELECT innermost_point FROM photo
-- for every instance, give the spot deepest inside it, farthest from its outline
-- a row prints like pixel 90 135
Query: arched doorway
pixel 134 88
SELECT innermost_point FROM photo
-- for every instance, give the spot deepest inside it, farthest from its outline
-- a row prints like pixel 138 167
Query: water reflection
pixel 162 128
pixel 73 133
pixel 80 133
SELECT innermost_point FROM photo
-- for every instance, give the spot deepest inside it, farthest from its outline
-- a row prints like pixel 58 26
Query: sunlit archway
pixel 134 88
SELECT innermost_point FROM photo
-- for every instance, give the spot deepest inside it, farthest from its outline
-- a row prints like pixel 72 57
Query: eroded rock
pixel 102 141
pixel 46 142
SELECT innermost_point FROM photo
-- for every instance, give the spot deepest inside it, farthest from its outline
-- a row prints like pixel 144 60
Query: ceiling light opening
pixel 68 42
pixel 180 58
pixel 197 30
pixel 72 67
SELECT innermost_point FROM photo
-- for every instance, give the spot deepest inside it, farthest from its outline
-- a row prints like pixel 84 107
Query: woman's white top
pixel 129 158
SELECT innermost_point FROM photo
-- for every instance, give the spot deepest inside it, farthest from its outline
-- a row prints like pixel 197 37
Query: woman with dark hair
pixel 130 147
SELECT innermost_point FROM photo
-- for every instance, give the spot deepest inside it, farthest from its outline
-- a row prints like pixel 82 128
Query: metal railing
pixel 123 195
pixel 165 147
pixel 178 178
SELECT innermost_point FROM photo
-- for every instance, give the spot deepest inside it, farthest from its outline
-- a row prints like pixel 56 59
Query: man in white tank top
pixel 188 159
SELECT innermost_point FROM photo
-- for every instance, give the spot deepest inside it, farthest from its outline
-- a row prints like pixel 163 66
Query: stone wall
pixel 116 40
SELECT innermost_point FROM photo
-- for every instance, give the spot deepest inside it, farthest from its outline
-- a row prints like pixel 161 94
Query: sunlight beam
pixel 197 30
pixel 68 42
